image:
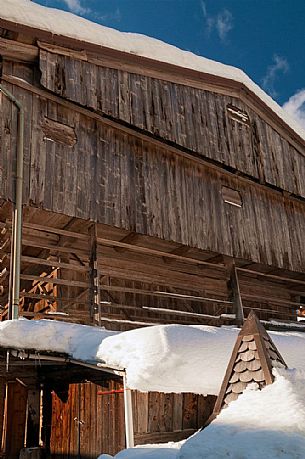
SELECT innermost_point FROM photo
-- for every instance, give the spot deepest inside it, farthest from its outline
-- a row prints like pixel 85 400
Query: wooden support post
pixel 2 408
pixel 235 296
pixel 94 295
pixel 16 419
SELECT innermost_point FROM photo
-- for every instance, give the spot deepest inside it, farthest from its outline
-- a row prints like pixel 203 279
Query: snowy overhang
pixel 47 357
pixel 161 358
pixel 69 30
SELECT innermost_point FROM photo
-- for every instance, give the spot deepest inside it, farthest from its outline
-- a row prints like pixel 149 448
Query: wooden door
pixel 88 420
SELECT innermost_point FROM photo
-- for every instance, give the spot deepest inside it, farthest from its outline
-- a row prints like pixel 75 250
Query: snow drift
pixel 267 424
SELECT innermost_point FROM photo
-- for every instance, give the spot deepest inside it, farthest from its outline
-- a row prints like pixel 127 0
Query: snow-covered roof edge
pixel 62 23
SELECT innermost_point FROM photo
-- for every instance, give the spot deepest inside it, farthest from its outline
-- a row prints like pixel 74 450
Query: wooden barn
pixel 145 191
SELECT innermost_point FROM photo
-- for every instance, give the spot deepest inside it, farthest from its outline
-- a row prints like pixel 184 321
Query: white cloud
pixel 224 23
pixel 204 9
pixel 295 106
pixel 114 16
pixel 221 23
pixel 76 7
pixel 279 66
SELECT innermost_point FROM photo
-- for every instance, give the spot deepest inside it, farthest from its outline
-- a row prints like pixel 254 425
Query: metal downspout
pixel 129 434
pixel 17 214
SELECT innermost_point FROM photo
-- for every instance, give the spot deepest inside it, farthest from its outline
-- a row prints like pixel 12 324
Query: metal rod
pixel 128 415
pixel 17 214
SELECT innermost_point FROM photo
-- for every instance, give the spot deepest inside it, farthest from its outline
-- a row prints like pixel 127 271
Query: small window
pixel 231 196
pixel 238 115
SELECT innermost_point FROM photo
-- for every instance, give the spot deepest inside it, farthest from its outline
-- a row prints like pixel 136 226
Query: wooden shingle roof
pixel 253 358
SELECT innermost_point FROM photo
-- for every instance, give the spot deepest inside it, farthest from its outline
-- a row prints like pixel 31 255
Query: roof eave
pixel 218 82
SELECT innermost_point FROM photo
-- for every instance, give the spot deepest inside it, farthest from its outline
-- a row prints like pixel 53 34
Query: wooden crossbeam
pixel 272 311
pixel 270 300
pixel 54 248
pixel 110 288
pixel 160 253
pixel 272 276
pixel 14 50
pixel 129 239
pixel 188 316
pixel 52 280
pixel 51 298
pixel 182 250
pixel 50 229
pixel 54 263
pixel 166 311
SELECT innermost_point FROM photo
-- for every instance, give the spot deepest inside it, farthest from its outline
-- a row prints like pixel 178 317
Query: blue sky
pixel 263 37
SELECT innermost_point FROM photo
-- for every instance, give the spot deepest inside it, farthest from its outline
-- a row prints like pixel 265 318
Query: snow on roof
pixel 79 342
pixel 69 25
pixel 165 358
pixel 266 424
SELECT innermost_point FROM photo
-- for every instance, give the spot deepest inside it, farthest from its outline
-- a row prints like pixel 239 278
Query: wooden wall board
pixel 193 118
pixel 16 418
pixel 193 214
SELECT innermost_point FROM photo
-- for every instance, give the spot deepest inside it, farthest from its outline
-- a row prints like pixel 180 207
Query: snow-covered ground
pixel 268 424
pixel 165 358
pixel 62 23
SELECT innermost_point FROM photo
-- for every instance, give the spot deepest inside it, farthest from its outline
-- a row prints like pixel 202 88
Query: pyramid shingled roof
pixel 253 358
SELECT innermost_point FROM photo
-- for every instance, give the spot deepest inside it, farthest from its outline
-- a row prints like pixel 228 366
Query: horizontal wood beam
pixel 129 239
pixel 187 313
pixel 271 276
pixel 45 315
pixel 51 299
pixel 53 263
pixel 59 132
pixel 16 51
pixel 176 280
pixel 200 299
pixel 158 437
pixel 110 318
pixel 187 316
pixel 50 229
pixel 267 299
pixel 55 248
pixel 182 250
pixel 159 253
pixel 272 311
pixel 52 280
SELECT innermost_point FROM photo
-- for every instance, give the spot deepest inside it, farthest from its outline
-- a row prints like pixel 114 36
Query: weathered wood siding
pixel 160 418
pixel 192 118
pixel 16 403
pixel 157 418
pixel 113 178
pixel 86 424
